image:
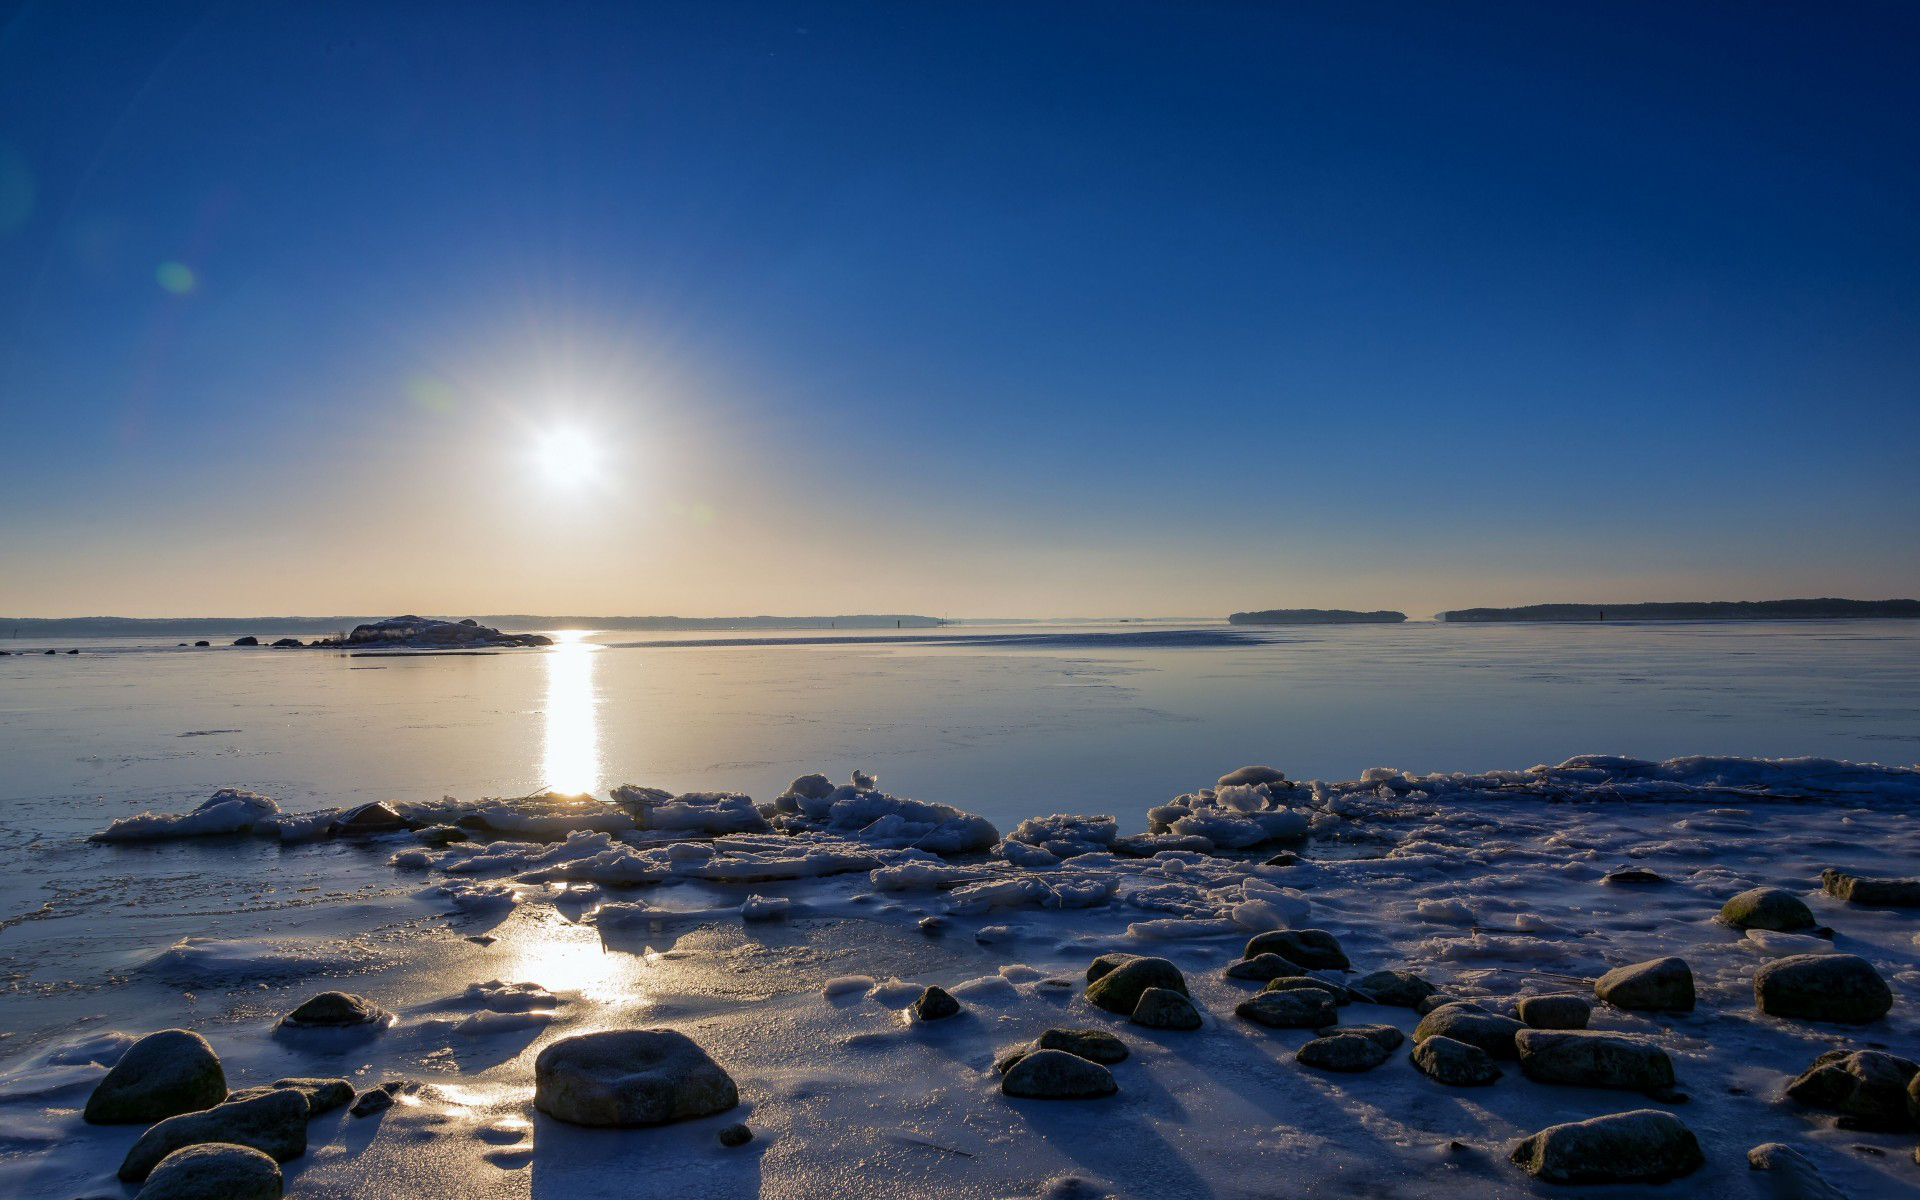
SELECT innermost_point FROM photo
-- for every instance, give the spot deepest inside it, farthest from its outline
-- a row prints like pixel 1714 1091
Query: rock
pixel 1297 983
pixel 1657 985
pixel 1057 1075
pixel 274 1124
pixel 1588 1059
pixel 1094 1045
pixel 1438 1000
pixel 335 1010
pixel 1306 1009
pixel 1385 1035
pixel 1401 989
pixel 1913 1105
pixel 1822 987
pixel 441 835
pixel 1286 858
pixel 1247 776
pixel 1119 990
pixel 931 926
pixel 1554 1012
pixel 214 1172
pixel 1108 963
pixel 1456 1064
pixel 285 643
pixel 1630 875
pixel 368 818
pixel 246 641
pixel 323 1095
pixel 1262 967
pixel 196 643
pixel 934 1004
pixel 1868 1088
pixel 1871 893
pixel 736 1134
pixel 1473 1025
pixel 1343 1052
pixel 1643 1146
pixel 629 1077
pixel 1767 908
pixel 377 1099
pixel 1164 1008
pixel 1314 949
pixel 1798 1178
pixel 161 1075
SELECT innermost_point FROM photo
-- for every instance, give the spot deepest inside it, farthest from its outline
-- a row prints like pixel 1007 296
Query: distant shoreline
pixel 256 626
pixel 1824 609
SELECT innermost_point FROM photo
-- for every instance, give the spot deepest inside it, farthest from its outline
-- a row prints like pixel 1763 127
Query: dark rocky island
pixel 1825 609
pixel 1315 616
pixel 426 633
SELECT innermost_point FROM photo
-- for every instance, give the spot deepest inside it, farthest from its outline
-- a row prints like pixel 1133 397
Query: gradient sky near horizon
pixel 967 309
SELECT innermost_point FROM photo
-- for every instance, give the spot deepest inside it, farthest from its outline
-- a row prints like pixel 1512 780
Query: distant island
pixel 1824 609
pixel 1315 616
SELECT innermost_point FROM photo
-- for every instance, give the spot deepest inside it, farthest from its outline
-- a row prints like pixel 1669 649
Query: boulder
pixel 1554 1012
pixel 1632 875
pixel 368 818
pixel 1643 1146
pixel 1164 1008
pixel 161 1075
pixel 629 1077
pixel 1107 963
pixel 375 1099
pixel 1385 1035
pixel 1822 987
pixel 335 1010
pixel 1309 1008
pixel 1767 908
pixel 1657 985
pixel 1439 1000
pixel 1119 990
pixel 1314 949
pixel 1094 1045
pixel 934 1004
pixel 1307 983
pixel 323 1095
pixel 1251 776
pixel 287 643
pixel 1262 967
pixel 1797 1178
pixel 1343 1052
pixel 1588 1059
pixel 274 1124
pixel 1871 893
pixel 1057 1075
pixel 246 641
pixel 1401 989
pixel 1456 1064
pixel 1868 1088
pixel 1473 1025
pixel 214 1172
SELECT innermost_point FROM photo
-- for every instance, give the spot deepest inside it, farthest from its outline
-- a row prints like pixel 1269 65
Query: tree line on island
pixel 1824 609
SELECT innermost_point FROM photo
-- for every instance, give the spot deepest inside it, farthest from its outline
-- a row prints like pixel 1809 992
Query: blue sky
pixel 965 308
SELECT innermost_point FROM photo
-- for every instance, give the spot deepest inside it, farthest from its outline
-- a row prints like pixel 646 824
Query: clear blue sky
pixel 971 308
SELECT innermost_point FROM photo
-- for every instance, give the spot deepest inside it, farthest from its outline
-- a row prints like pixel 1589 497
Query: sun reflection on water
pixel 571 762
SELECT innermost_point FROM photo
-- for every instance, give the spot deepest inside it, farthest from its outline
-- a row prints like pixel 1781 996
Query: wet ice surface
pixel 1485 895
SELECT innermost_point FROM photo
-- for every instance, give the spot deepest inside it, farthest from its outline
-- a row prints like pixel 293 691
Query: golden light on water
pixel 571 758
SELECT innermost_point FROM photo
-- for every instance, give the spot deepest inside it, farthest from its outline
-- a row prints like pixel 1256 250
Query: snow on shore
pixel 654 910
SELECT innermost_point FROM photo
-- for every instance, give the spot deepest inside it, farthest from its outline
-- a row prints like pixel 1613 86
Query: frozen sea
pixel 1488 894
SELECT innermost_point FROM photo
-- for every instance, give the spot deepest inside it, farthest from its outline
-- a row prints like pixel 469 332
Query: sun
pixel 567 457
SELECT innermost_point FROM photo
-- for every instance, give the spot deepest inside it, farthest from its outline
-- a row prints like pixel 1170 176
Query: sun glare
pixel 568 456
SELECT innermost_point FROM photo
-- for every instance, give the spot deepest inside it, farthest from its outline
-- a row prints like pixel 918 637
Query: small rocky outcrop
pixel 1767 908
pixel 214 1172
pixel 629 1077
pixel 1262 967
pixel 1164 1008
pixel 1338 1051
pixel 1797 1179
pixel 1657 985
pixel 1057 1075
pixel 1554 1012
pixel 1314 949
pixel 1822 987
pixel 335 1010
pixel 1868 1088
pixel 160 1076
pixel 323 1095
pixel 1401 989
pixel 1871 893
pixel 1454 1063
pixel 246 641
pixel 1308 1008
pixel 426 633
pixel 376 817
pixel 274 1124
pixel 1584 1058
pixel 934 1004
pixel 1473 1025
pixel 1118 991
pixel 1643 1146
